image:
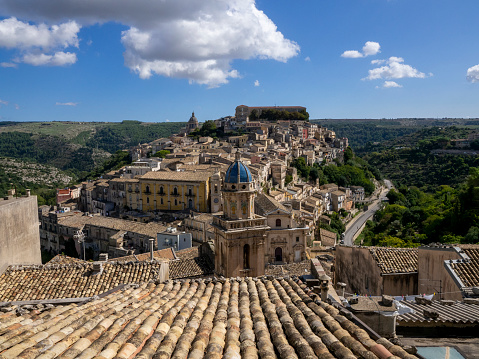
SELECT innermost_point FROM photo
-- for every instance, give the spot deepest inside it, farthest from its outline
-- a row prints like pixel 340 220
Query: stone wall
pixel 356 267
pixel 19 231
pixel 433 276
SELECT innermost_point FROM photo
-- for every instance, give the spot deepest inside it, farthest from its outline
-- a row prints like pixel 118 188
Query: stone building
pixel 285 239
pixel 278 173
pixel 178 191
pixel 239 233
pixel 19 238
pixel 377 270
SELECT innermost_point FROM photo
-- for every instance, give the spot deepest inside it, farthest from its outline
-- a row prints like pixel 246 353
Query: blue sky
pixel 152 60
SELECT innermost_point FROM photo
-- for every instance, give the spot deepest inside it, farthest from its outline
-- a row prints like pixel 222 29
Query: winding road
pixel 356 224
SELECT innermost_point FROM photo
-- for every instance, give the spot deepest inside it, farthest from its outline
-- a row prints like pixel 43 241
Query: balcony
pixel 174 194
pixel 190 195
pixel 161 194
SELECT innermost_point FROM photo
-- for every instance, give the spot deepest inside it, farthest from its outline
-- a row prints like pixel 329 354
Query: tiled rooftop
pixel 247 318
pixel 265 204
pixel 167 253
pixel 395 260
pixel 78 220
pixel 63 259
pixel 78 280
pixel 187 253
pixel 468 272
pixel 297 269
pixel 187 176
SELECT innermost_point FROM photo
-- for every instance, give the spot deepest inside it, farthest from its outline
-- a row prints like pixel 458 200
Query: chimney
pixel 324 287
pixel 152 245
pixel 28 192
pixel 342 286
pixel 103 257
pixel 97 268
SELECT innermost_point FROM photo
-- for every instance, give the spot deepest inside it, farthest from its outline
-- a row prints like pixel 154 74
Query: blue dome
pixel 232 173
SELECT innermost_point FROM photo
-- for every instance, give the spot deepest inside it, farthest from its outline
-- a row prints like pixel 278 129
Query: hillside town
pixel 208 244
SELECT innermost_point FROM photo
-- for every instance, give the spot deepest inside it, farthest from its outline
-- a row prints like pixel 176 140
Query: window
pixel 246 256
pixel 176 202
pixel 147 199
pixel 147 189
pixel 162 191
pixel 161 200
pixel 297 239
pixel 216 188
pixel 278 222
pixel 175 191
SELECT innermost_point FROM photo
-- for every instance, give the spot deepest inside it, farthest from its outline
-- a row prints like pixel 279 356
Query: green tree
pixel 161 153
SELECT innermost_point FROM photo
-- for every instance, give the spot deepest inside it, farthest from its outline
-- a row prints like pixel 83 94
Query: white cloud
pixel 37 43
pixel 17 107
pixel 370 48
pixel 351 54
pixel 57 59
pixel 192 39
pixel 8 64
pixel 307 59
pixel 378 62
pixel 66 103
pixel 19 34
pixel 256 83
pixel 394 69
pixel 3 103
pixel 391 84
pixel 473 74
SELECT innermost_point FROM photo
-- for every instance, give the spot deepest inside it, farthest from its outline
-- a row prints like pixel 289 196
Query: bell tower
pixel 239 233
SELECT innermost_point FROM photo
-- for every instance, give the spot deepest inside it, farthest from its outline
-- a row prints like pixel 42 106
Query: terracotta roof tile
pixel 468 271
pixel 395 260
pixel 167 253
pixel 187 176
pixel 231 318
pixel 78 279
pixel 187 253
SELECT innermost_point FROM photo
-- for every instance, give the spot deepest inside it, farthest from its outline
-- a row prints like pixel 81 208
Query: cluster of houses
pixel 120 212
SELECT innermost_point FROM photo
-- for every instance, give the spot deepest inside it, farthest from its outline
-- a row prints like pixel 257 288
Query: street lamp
pixel 80 237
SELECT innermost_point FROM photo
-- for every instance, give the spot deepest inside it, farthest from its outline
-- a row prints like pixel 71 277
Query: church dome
pixel 193 118
pixel 238 172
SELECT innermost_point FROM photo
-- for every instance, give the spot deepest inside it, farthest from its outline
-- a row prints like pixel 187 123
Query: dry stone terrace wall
pixel 227 318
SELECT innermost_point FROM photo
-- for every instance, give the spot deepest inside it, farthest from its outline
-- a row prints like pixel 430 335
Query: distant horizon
pixel 311 119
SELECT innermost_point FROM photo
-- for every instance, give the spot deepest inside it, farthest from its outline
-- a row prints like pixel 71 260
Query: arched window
pixel 162 190
pixel 147 189
pixel 175 190
pixel 246 256
pixel 190 192
pixel 278 222
pixel 190 203
pixel 161 200
pixel 147 199
pixel 176 202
